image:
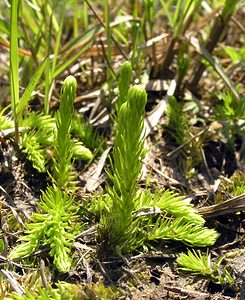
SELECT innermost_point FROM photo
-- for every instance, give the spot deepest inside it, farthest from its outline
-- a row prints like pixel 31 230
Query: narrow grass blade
pixel 48 79
pixel 57 44
pixel 81 40
pixel 14 63
pixel 109 46
pixel 4 27
pixel 75 19
pixel 63 66
pixel 31 86
pixel 85 16
pixel 201 50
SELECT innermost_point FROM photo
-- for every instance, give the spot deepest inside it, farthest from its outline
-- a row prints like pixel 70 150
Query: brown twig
pixel 232 205
pixel 43 276
pixel 187 142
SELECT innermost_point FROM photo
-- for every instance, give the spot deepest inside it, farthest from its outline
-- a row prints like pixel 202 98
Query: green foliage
pixel 62 292
pixel 1 242
pixel 35 152
pixel 178 13
pixel 124 83
pixel 89 137
pixel 109 73
pixel 14 59
pixel 181 230
pixel 230 114
pixel 30 88
pixel 168 216
pixel 236 184
pixel 38 134
pixel 149 14
pixel 177 121
pixel 52 227
pixel 128 145
pixel 62 141
pixel 131 218
pixel 67 291
pixel 79 151
pixel 229 8
pixel 41 122
pixel 5 121
pixel 44 133
pixel 18 104
pixel 179 125
pixel 126 166
pixel 170 203
pixel 196 263
pixel 237 55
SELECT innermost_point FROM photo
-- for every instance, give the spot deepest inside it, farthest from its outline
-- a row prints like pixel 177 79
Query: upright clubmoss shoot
pixel 52 225
pixel 126 167
pixel 124 83
pixel 62 141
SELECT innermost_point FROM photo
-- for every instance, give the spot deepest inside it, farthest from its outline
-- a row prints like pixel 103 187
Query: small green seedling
pixel 231 115
pixel 199 264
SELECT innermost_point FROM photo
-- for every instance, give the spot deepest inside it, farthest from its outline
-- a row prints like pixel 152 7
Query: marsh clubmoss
pixel 124 83
pixel 134 217
pixel 62 141
pixel 199 264
pixel 131 217
pixel 51 226
pixel 126 167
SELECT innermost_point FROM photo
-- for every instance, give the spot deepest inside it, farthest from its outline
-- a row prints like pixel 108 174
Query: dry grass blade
pixel 13 282
pixel 93 181
pixel 232 205
pixel 154 116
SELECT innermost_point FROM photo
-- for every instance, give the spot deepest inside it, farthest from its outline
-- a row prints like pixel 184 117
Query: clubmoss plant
pixel 196 263
pixel 132 217
pixel 34 151
pixel 179 229
pixel 124 83
pixel 52 225
pixel 231 114
pixel 179 125
pixel 38 135
pixel 83 130
pixel 177 122
pixel 68 291
pixel 5 121
pixel 236 184
pixel 44 132
pixel 126 167
pixel 62 142
pixel 170 203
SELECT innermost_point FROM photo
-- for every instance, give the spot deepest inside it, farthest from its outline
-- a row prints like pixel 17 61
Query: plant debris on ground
pixel 122 149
